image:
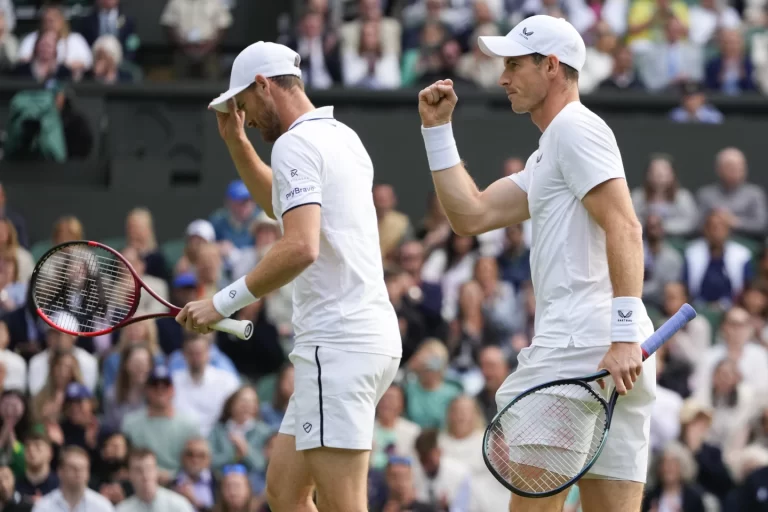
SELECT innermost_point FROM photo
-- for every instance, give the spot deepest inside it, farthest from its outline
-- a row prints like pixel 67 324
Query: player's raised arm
pixel 469 210
pixel 256 175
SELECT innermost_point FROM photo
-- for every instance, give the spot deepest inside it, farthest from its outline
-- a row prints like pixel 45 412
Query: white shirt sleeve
pixel 522 179
pixel 27 47
pixel 588 154
pixel 298 171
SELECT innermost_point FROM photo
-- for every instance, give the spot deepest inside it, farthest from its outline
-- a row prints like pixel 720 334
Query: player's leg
pixel 598 495
pixel 550 504
pixel 289 484
pixel 341 477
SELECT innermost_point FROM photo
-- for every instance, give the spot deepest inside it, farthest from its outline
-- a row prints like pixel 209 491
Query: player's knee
pixel 340 502
pixel 283 497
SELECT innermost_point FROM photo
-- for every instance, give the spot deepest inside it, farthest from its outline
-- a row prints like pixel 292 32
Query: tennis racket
pixel 549 436
pixel 86 288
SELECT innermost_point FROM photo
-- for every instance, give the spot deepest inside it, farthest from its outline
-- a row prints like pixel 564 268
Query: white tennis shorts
pixel 626 450
pixel 335 396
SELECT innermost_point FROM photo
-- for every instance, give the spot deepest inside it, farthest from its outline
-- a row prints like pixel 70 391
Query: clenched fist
pixel 436 103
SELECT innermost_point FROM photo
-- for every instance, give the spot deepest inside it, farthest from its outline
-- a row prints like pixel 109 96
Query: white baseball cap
pixel 541 34
pixel 203 229
pixel 267 59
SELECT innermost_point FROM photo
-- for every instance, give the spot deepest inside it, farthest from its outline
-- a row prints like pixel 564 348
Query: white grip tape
pixel 626 315
pixel 233 298
pixel 240 328
pixel 442 152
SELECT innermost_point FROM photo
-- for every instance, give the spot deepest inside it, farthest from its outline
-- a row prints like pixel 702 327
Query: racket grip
pixel 243 329
pixel 684 315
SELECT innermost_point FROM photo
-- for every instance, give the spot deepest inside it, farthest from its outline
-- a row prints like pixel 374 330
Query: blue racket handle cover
pixel 684 315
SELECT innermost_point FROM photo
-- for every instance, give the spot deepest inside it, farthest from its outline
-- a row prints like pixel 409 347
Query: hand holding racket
pixel 549 436
pixel 85 288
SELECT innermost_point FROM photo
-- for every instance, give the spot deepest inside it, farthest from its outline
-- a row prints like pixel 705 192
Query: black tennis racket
pixel 549 436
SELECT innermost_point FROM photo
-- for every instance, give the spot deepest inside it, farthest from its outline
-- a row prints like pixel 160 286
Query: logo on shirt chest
pixel 297 176
pixel 538 158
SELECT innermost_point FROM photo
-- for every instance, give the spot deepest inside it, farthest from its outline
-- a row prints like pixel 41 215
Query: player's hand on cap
pixel 198 316
pixel 436 103
pixel 624 361
pixel 232 123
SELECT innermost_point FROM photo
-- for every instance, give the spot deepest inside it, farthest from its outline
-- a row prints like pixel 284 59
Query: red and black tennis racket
pixel 86 288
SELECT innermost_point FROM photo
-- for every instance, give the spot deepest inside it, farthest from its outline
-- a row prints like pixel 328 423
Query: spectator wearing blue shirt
pixel 515 262
pixel 233 222
pixel 694 107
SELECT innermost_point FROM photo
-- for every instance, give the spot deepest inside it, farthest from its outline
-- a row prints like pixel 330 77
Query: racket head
pixel 85 288
pixel 561 425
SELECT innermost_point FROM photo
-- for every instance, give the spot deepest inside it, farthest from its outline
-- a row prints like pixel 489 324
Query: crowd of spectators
pixel 198 413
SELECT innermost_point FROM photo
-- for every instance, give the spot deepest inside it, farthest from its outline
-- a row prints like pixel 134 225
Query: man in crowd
pixel 38 479
pixel 195 480
pixel 144 473
pixel 10 498
pixel 495 369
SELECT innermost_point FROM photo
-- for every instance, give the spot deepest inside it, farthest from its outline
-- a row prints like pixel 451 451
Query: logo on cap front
pixel 297 61
pixel 526 33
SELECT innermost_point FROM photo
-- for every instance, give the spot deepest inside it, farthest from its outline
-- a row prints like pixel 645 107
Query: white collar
pixel 318 113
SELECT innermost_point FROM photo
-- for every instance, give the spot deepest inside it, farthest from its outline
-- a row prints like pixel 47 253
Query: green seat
pixel 266 386
pixel 753 245
pixel 172 251
pixel 39 248
pixel 115 242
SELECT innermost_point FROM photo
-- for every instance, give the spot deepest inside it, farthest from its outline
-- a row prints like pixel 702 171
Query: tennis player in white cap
pixel 587 251
pixel 347 338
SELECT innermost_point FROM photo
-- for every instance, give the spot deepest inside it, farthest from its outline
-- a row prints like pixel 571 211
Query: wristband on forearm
pixel 626 314
pixel 233 298
pixel 442 152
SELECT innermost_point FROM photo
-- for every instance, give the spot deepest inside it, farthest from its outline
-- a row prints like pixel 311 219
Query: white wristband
pixel 233 298
pixel 626 315
pixel 442 152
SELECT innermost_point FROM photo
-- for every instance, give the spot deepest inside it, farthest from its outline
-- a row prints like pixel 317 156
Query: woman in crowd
pixel 67 229
pixel 273 412
pixel 393 434
pixel 139 333
pixel 48 404
pixel 754 299
pixel 675 490
pixel 127 395
pixel 13 291
pixel 14 425
pixel 463 434
pixel 692 341
pixel 140 234
pixel 9 241
pixel 240 435
pixel 44 64
pixel 367 66
pixel 235 493
pixel 661 194
pixel 109 470
pixel 452 266
pixel 107 57
pixel 434 229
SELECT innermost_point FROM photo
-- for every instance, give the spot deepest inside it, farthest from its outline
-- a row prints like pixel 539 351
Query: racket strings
pixel 84 289
pixel 547 438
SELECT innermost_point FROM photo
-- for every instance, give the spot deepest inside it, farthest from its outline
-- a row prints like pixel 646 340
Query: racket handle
pixel 684 315
pixel 243 329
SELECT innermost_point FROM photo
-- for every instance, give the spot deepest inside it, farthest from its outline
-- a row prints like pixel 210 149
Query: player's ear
pixel 261 82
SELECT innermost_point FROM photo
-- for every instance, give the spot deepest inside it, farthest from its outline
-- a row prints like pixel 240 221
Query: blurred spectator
pixel 177 361
pixel 665 418
pixel 196 27
pixel 716 267
pixel 369 66
pixel 752 475
pixel 577 12
pixel 107 58
pixel 235 493
pixel 455 15
pixel 494 367
pixel 612 12
pixel 389 28
pixel 427 396
pixel 318 47
pixel 731 72
pixel 110 473
pixel 127 395
pixel 14 426
pixel 201 388
pixel 159 427
pixel 195 480
pixel 445 66
pixel 67 229
pixel 38 479
pixel 13 291
pixel 440 481
pixel 744 202
pixel 477 67
pixel 147 303
pixel 59 342
pixel 108 19
pixel 10 498
pixel 434 229
pixel 73 494
pixel 514 263
pixel 500 307
pixel 691 342
pixel 240 434
pixel 694 107
pixel 663 263
pixel 48 404
pixel 599 64
pixel 143 333
pixel 407 299
pixel 755 301
pixel 145 476
pixel 8 11
pixel 676 489
pixel 241 260
pixel 710 16
pixel 393 434
pixel 17 220
pixel 737 346
pixel 233 222
pixel 451 266
pixel 649 19
pixel 272 412
pixel 9 45
pixel 43 63
pixel 71 49
pixel 671 62
pixel 77 128
pixel 80 425
pixel 426 297
pixel 623 76
pixel 198 233
pixel 464 430
pixel 140 234
pixel 394 226
pixel 209 271
pixel 424 55
pixel 468 333
pixel 758 43
pixel 401 493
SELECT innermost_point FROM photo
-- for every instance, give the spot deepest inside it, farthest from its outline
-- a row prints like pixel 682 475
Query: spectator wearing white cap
pixel 233 222
pixel 107 57
pixel 199 232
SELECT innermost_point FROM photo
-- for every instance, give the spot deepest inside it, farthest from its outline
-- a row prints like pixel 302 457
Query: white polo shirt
pixel 340 301
pixel 204 399
pixel 90 502
pixel 569 264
